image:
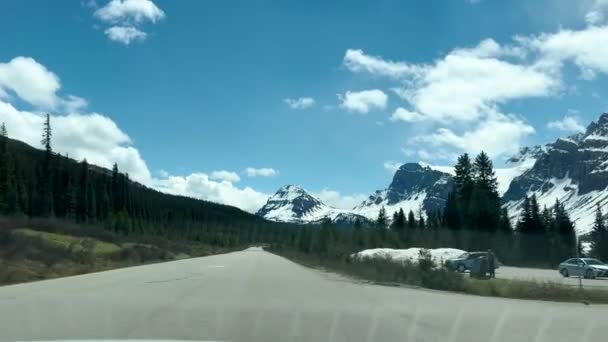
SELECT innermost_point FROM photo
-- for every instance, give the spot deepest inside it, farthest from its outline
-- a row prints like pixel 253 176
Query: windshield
pixel 304 170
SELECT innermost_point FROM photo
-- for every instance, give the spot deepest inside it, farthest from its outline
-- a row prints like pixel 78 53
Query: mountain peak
pixel 603 119
pixel 411 167
pixel 292 203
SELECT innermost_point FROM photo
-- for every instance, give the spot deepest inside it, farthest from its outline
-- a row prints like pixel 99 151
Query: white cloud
pixel 568 123
pixel 261 172
pixel 597 12
pixel 466 87
pixel 392 166
pixel 126 16
pixel 363 101
pixel 496 135
pixel 586 48
pixel 402 114
pixel 358 61
pixel 300 103
pixel 119 11
pixel 97 138
pixel 92 136
pixel 463 87
pixel 31 81
pixel 464 84
pixel 125 34
pixel 199 185
pixel 224 175
pixel 337 200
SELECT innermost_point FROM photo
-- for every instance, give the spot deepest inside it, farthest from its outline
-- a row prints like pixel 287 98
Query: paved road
pixel 256 296
pixel 538 274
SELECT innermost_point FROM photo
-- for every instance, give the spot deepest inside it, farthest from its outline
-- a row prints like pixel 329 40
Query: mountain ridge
pixel 573 169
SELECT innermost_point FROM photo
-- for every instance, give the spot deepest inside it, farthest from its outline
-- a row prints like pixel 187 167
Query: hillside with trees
pixel 45 184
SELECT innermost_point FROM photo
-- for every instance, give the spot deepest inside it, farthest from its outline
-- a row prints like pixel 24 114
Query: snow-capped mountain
pixel 572 169
pixel 414 187
pixel 292 203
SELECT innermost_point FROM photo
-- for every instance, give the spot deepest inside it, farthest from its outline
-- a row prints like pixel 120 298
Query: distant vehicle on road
pixel 586 267
pixel 464 262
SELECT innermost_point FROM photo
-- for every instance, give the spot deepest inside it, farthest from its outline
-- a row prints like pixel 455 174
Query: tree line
pixel 37 183
pixel 472 219
pixel 43 183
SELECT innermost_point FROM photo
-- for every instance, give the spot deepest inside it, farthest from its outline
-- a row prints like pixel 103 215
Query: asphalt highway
pixel 257 296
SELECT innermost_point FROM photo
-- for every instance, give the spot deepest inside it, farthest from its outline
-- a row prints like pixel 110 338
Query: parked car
pixel 464 261
pixel 587 267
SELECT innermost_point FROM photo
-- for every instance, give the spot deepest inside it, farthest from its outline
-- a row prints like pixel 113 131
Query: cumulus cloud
pixel 261 172
pixel 497 134
pixel 363 101
pixel 97 138
pixel 337 200
pixel 402 114
pixel 199 185
pixel 568 123
pixel 300 103
pixel 392 166
pixel 224 175
pixel 586 48
pixel 130 10
pixel 30 81
pixel 126 17
pixel 125 34
pixel 596 11
pixel 466 87
pixel 466 82
pixel 357 61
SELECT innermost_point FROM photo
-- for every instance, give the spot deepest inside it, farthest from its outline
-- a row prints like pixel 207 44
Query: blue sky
pixel 326 94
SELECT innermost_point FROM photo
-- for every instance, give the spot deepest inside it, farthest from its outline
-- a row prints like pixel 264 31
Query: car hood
pixel 600 267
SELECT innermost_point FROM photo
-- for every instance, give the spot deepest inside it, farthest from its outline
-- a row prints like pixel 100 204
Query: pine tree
pixel 82 202
pixel 394 222
pixel 546 218
pixel 535 216
pixel 45 200
pixel 484 175
pixel 484 206
pixel 463 177
pixel 381 221
pixel 599 236
pixel 401 221
pixel 504 223
pixel 47 133
pixel 421 221
pixel 411 220
pixel 524 223
pixel 565 230
pixel 452 214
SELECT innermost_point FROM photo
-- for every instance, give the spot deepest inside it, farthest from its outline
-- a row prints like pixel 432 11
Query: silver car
pixel 465 261
pixel 586 267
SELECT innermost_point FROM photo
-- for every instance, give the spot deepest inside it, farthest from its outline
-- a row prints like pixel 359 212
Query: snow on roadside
pixel 438 255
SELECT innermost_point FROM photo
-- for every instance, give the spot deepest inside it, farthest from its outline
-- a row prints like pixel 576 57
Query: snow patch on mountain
pixel 514 167
pixel 370 208
pixel 573 170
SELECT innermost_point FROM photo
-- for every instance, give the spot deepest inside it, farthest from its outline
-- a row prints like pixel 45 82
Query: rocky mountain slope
pixel 573 169
pixel 414 187
pixel 291 203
